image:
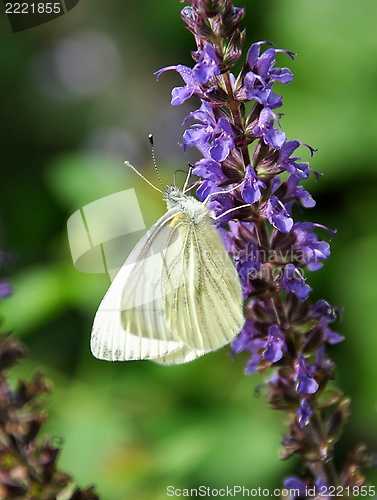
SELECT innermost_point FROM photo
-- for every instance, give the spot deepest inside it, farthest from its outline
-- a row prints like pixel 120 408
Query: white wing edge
pixel 184 354
pixel 109 341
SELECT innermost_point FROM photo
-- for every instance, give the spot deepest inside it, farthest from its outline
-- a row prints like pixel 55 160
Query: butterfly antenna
pixel 188 177
pixel 234 209
pixel 128 164
pixel 150 137
pixel 224 191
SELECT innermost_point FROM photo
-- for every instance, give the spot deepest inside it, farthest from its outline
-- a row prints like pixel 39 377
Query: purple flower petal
pixel 304 377
pixel 181 94
pixel 293 483
pixel 251 188
pixel 310 249
pixel 324 310
pixel 208 65
pixel 304 412
pixel 253 54
pixel 295 283
pixel 275 345
pixel 276 213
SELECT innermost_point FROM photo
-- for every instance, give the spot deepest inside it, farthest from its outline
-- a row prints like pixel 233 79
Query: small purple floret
pixel 304 413
pixel 208 65
pixel 251 189
pixel 275 345
pixel 295 283
pixel 272 136
pixel 277 214
pixel 304 377
pixel 181 94
pixel 312 249
pixel 214 139
pixel 293 483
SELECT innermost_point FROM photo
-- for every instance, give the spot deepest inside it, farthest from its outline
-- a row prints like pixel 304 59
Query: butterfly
pixel 177 296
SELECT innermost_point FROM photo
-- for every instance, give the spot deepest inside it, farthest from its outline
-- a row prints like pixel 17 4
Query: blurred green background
pixel 78 98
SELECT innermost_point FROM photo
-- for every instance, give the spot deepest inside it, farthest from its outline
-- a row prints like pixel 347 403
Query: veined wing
pixel 137 330
pixel 205 306
pixel 152 278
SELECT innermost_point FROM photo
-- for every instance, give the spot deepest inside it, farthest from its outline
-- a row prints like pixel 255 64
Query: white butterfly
pixel 177 296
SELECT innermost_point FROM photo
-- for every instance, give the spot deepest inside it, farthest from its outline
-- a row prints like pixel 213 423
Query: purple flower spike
pixel 208 65
pixel 295 283
pixel 254 180
pixel 304 377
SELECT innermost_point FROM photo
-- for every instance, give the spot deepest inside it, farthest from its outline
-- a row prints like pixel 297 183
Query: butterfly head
pixel 190 206
pixel 174 196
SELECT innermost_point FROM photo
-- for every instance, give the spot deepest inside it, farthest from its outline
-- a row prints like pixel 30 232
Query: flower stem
pixel 234 107
pixel 324 467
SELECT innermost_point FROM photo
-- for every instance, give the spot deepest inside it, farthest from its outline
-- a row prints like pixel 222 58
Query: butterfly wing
pixel 177 297
pixel 206 304
pixel 183 354
pixel 130 322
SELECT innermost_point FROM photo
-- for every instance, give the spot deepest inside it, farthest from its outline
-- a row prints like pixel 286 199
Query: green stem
pixel 234 108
